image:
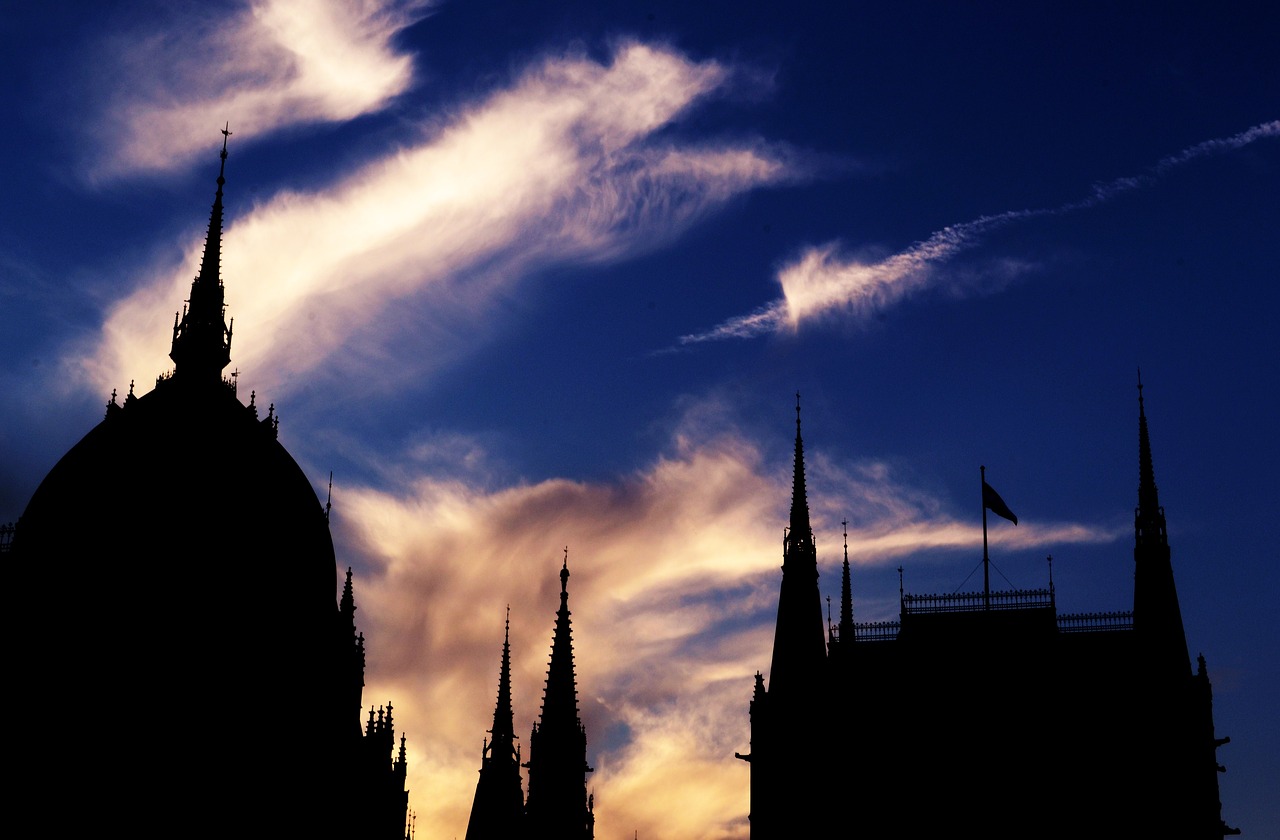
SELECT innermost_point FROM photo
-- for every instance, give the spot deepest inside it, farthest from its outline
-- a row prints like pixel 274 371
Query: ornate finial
pixel 226 133
pixel 564 574
pixel 328 502
pixel 130 388
pixel 113 396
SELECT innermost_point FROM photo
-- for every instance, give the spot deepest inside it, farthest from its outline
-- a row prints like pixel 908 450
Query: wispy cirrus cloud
pixel 673 587
pixel 409 251
pixel 266 66
pixel 826 282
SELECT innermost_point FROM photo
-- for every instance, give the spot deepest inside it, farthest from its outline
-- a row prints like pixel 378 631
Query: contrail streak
pixel 820 281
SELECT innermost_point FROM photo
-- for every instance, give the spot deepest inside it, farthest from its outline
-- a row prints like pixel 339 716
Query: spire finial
pixel 328 502
pixel 226 133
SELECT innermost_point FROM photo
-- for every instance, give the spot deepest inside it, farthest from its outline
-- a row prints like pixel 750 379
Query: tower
pixel 786 736
pixel 497 812
pixel 798 641
pixel 558 805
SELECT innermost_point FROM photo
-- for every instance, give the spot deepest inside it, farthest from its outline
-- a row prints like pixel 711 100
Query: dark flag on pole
pixel 991 501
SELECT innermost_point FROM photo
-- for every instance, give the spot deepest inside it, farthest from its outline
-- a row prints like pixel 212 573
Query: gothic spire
pixel 498 808
pixel 846 594
pixel 1157 616
pixel 557 803
pixel 799 646
pixel 1149 523
pixel 560 700
pixel 503 732
pixel 202 340
pixel 799 499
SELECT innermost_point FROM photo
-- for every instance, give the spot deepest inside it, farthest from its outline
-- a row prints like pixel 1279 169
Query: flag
pixel 991 501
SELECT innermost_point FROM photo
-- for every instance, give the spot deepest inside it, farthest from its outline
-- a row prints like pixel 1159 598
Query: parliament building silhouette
pixel 182 624
pixel 985 714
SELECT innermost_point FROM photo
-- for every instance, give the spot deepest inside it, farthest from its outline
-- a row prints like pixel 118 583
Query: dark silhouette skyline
pixel 455 252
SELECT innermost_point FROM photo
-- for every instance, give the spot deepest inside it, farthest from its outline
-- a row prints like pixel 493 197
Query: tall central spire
pixel 201 339
pixel 799 498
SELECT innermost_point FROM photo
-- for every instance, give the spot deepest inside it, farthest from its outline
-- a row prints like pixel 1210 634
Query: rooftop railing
pixel 876 631
pixel 1007 599
pixel 1094 622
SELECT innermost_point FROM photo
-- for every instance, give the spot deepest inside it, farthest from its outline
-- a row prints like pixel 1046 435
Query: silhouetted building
pixel 182 627
pixel 558 804
pixel 987 714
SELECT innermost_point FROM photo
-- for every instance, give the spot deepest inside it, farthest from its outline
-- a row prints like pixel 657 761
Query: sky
pixel 528 277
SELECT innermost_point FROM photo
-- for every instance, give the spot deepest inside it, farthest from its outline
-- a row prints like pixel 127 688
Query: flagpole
pixel 986 561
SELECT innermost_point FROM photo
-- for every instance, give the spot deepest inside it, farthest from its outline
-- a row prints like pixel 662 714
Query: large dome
pixel 185 486
pixel 180 612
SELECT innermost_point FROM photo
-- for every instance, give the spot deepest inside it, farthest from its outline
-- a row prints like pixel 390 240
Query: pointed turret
pixel 347 606
pixel 798 642
pixel 350 651
pixel 1156 614
pixel 497 811
pixel 846 595
pixel 201 339
pixel 557 805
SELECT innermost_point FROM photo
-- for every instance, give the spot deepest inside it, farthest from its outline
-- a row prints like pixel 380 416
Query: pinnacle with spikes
pixel 799 640
pixel 799 498
pixel 503 744
pixel 560 700
pixel 846 593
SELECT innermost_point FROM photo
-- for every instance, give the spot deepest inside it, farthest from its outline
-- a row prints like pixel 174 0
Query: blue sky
pixel 529 276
